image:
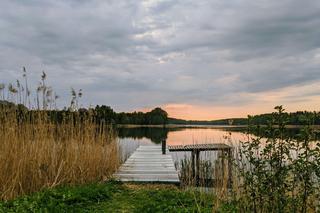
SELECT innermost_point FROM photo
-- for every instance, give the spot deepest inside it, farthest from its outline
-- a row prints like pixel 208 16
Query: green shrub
pixel 278 174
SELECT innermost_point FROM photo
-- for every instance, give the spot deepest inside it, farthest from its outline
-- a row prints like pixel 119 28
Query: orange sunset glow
pixel 262 103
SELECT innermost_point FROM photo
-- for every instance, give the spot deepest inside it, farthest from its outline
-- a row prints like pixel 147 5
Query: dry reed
pixel 37 153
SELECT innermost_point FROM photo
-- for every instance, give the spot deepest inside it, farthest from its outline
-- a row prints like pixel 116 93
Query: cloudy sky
pixel 203 59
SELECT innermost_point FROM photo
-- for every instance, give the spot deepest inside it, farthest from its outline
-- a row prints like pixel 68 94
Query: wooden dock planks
pixel 148 164
pixel 200 147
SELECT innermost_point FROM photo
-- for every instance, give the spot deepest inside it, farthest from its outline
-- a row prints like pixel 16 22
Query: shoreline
pixel 200 126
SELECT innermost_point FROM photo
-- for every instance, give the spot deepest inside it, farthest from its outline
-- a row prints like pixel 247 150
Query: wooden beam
pixel 198 167
pixel 200 147
pixel 193 165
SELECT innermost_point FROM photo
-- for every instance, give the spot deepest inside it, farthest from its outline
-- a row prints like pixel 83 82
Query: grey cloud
pixel 197 52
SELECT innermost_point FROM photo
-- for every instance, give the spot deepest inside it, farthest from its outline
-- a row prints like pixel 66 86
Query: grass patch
pixel 112 197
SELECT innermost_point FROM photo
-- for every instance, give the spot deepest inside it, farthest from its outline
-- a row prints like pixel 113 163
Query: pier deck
pixel 148 164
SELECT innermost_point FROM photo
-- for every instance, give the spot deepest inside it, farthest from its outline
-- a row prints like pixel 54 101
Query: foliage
pixel 103 115
pixel 293 118
pixel 206 172
pixel 156 116
pixel 110 197
pixel 71 199
pixel 278 174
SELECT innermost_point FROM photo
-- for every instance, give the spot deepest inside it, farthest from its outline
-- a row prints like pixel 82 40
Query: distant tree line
pixel 158 116
pixel 101 114
pixel 292 118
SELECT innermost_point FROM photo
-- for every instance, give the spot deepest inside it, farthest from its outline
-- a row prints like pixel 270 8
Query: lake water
pixel 130 138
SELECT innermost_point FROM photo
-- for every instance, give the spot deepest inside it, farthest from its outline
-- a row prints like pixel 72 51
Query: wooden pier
pixel 195 156
pixel 148 164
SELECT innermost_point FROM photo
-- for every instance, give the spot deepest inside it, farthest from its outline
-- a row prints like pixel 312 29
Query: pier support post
pixel 198 167
pixel 230 167
pixel 223 167
pixel 192 164
pixel 164 146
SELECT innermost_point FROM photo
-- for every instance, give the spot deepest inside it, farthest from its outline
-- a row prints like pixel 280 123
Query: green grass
pixel 112 197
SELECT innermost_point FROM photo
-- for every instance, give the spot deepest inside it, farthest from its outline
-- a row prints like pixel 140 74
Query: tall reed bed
pixel 40 151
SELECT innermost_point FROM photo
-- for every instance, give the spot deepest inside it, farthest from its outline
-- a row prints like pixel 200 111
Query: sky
pixel 204 59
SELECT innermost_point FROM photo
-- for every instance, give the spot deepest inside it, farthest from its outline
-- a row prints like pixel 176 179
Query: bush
pixel 277 174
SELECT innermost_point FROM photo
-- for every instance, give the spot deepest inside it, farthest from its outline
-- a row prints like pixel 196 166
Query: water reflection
pixel 181 135
pixel 153 134
pixel 204 136
pixel 130 138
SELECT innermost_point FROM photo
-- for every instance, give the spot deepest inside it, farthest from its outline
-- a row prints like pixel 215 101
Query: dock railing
pixel 195 150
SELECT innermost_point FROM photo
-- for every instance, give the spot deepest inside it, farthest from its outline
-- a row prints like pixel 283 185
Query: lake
pixel 131 137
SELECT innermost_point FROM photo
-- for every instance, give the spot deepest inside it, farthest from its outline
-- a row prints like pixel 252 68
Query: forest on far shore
pixel 292 118
pixel 158 116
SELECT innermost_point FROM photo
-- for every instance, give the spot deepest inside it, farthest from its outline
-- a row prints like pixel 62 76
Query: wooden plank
pixel 199 147
pixel 150 147
pixel 149 151
pixel 132 163
pixel 148 164
pixel 145 180
pixel 142 164
pixel 148 176
pixel 147 167
pixel 130 171
pixel 140 161
pixel 146 171
pixel 149 157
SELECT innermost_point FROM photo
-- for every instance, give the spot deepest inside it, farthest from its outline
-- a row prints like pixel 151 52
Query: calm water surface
pixel 131 138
